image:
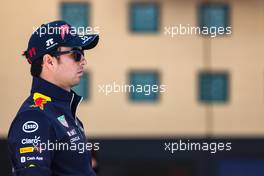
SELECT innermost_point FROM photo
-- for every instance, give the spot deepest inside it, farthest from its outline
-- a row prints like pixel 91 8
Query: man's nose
pixel 83 61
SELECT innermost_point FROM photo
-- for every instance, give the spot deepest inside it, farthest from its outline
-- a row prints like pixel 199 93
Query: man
pixel 45 137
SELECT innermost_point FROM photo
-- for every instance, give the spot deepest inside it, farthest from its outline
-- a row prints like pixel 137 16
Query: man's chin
pixel 76 83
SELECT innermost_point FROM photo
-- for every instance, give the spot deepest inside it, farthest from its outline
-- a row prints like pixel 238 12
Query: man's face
pixel 68 71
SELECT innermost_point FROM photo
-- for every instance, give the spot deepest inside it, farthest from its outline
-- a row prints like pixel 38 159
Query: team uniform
pixel 48 116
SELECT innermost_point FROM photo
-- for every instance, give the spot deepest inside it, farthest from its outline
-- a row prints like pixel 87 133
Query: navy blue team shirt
pixel 46 138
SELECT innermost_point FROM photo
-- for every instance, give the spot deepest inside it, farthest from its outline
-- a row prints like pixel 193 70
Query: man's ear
pixel 48 61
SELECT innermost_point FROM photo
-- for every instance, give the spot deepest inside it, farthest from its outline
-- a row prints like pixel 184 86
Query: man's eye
pixel 72 55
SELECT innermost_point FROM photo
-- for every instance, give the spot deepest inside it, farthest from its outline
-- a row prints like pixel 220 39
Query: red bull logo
pixel 64 29
pixel 40 100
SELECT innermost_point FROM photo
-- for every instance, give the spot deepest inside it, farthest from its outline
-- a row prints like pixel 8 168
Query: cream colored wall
pixel 121 51
pixel 242 55
pixel 179 59
pixel 17 21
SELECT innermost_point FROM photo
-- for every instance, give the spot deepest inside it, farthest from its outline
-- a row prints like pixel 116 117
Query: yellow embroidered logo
pixel 32 165
pixel 40 100
pixel 26 150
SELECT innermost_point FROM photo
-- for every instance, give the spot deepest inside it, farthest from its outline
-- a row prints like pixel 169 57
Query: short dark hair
pixel 36 67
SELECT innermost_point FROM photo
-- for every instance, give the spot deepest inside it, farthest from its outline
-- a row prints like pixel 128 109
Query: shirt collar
pixel 42 86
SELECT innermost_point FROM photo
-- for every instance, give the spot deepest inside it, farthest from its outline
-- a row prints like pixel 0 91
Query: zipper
pixel 77 109
pixel 71 100
pixel 76 121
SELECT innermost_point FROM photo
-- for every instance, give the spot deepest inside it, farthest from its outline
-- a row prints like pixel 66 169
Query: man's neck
pixel 53 81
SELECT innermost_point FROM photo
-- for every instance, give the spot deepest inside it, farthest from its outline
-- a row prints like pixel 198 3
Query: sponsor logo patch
pixel 23 159
pixel 26 150
pixel 40 100
pixel 33 158
pixel 30 127
pixel 71 132
pixel 34 141
pixel 85 39
pixel 64 29
pixel 77 138
pixel 32 165
pixel 63 121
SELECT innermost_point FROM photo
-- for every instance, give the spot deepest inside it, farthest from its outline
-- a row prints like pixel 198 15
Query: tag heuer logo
pixel 63 121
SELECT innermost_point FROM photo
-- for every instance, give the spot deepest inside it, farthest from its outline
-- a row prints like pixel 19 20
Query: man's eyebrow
pixel 77 48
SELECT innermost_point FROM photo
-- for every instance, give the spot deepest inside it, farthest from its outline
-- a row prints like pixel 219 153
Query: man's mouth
pixel 80 72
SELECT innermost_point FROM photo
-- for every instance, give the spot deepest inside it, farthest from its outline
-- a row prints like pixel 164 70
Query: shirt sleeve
pixel 29 138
